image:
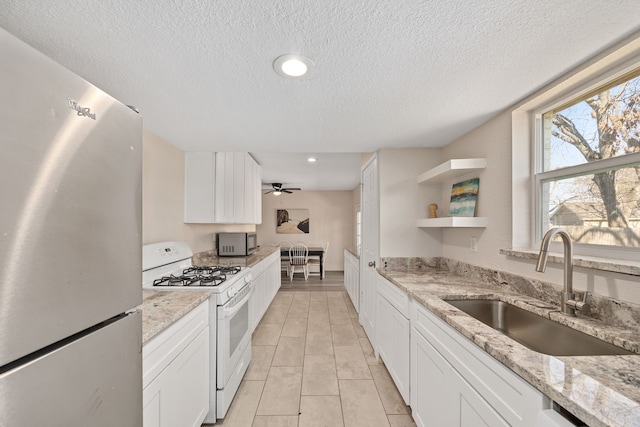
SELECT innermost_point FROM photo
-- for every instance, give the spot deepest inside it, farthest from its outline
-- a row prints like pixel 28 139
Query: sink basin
pixel 536 332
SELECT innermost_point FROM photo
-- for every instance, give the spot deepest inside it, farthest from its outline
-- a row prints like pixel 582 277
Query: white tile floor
pixel 313 366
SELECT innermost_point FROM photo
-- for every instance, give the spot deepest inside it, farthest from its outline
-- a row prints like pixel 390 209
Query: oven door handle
pixel 230 312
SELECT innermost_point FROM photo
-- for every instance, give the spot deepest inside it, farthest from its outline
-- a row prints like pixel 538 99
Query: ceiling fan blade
pixel 267 192
pixel 286 190
pixel 292 189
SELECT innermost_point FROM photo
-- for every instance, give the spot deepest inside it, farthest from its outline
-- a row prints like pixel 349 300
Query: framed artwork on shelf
pixel 292 221
pixel 464 196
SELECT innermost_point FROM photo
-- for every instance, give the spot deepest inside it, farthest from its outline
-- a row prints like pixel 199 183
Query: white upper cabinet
pixel 222 188
pixel 229 200
pixel 253 190
pixel 199 181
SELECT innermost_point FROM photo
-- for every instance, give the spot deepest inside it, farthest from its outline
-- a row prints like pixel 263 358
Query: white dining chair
pixel 284 261
pixel 298 260
pixel 313 262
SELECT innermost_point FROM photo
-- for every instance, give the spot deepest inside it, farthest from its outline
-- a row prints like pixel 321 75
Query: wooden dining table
pixel 313 251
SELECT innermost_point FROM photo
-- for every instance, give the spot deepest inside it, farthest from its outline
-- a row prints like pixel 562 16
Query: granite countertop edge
pixel 162 308
pixel 599 390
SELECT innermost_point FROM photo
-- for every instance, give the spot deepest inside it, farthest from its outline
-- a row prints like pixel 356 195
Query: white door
pixel 369 254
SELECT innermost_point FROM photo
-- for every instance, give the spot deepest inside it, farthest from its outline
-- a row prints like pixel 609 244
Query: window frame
pixel 538 176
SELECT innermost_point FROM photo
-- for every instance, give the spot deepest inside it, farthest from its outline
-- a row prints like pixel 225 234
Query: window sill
pixel 603 264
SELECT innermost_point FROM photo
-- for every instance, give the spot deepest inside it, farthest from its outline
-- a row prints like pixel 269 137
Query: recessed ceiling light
pixel 311 160
pixel 293 66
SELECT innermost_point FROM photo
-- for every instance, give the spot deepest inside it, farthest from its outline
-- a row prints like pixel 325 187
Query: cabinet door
pixel 153 396
pixel 351 279
pixel 238 193
pixel 199 183
pixel 189 381
pixel 224 188
pixel 400 371
pixel 259 298
pixel 473 410
pixel 239 189
pixel 432 401
pixel 265 287
pixel 393 344
pixel 258 193
pixel 179 395
pixel 384 331
pixel 249 189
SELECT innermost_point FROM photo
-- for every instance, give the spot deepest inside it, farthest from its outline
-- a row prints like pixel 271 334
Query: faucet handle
pixel 583 306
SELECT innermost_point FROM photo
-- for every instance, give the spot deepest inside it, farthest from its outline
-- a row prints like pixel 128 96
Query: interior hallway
pixel 313 366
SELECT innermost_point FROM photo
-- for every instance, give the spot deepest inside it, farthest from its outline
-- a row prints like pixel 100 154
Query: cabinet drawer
pixel 396 297
pixel 164 347
pixel 512 397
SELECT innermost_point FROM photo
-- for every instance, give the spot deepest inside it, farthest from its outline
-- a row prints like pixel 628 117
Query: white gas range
pixel 168 266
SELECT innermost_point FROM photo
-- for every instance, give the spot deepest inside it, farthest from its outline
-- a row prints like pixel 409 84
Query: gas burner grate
pixel 213 280
pixel 198 276
pixel 212 270
pixel 230 270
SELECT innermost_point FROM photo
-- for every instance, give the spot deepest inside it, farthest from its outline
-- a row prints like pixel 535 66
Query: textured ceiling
pixel 388 73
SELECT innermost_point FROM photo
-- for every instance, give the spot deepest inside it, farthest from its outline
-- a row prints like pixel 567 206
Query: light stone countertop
pixel 599 390
pixel 211 258
pixel 160 309
pixel 352 252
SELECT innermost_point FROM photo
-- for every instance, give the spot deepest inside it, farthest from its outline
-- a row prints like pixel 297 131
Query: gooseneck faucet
pixel 568 304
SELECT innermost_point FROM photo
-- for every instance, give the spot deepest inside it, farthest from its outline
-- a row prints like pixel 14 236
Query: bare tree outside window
pixel 600 205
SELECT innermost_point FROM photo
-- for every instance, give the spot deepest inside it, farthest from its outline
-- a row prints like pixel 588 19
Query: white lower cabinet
pixel 431 402
pixel 473 411
pixel 455 383
pixel 352 278
pixel 393 333
pixel 266 278
pixel 176 373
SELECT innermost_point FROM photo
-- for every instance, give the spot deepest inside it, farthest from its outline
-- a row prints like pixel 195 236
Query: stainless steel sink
pixel 536 332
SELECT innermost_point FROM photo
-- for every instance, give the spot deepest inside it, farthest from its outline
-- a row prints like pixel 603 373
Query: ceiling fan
pixel 277 189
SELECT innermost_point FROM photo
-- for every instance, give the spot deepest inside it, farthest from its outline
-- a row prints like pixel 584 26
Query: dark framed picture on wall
pixel 292 221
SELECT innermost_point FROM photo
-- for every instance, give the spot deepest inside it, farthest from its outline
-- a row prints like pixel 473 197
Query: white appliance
pixel 168 266
pixel 70 326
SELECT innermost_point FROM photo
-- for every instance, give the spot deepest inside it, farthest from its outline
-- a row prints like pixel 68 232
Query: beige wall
pixel 504 193
pixel 402 202
pixel 163 199
pixel 331 218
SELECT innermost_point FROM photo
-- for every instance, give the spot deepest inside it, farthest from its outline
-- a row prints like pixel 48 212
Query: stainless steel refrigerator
pixel 70 248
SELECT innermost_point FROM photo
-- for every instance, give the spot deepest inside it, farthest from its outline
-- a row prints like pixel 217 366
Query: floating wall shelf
pixel 451 169
pixel 453 221
pixel 443 172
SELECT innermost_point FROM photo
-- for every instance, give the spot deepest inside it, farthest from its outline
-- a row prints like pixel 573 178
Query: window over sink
pixel 587 166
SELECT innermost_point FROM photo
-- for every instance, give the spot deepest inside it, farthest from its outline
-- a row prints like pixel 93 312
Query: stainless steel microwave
pixel 237 244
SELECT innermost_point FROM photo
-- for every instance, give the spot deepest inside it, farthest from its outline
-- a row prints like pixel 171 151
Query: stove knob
pixel 230 293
